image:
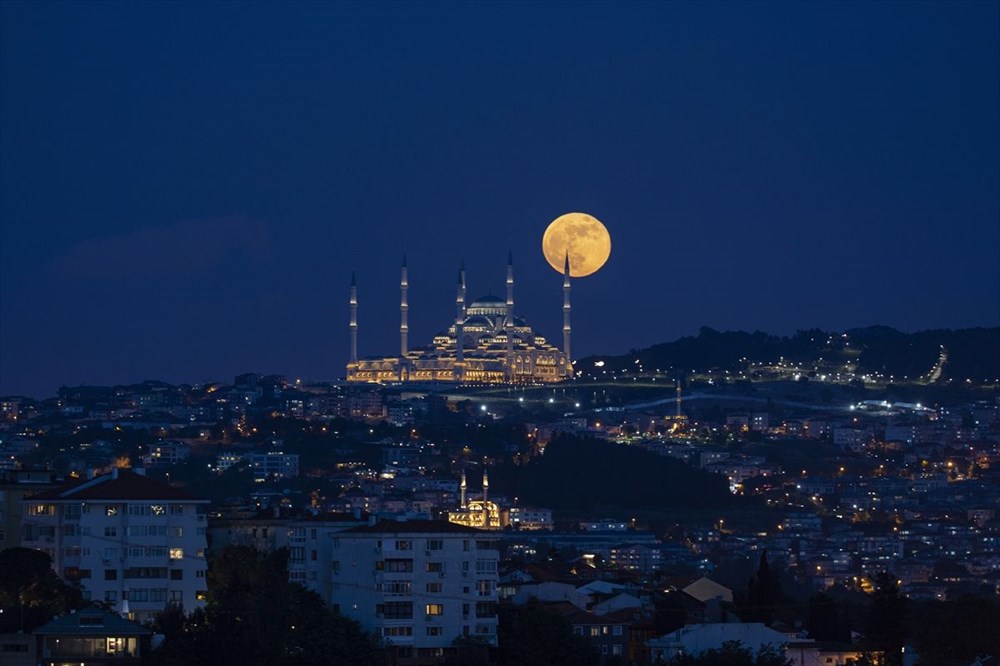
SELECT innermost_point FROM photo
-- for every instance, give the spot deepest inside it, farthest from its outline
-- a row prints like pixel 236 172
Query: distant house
pixel 696 639
pixel 91 637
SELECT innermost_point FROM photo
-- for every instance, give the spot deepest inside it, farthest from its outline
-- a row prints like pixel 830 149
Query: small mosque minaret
pixel 404 308
pixel 567 330
pixel 354 320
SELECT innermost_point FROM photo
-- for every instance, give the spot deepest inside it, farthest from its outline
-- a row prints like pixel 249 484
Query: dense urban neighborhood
pixel 642 518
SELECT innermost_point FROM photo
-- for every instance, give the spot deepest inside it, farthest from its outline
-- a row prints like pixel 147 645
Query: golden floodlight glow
pixel 583 237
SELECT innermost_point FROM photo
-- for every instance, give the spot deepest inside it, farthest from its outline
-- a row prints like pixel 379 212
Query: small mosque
pixel 486 344
pixel 480 513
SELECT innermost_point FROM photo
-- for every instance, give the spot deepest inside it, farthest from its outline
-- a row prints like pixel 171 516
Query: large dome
pixel 488 301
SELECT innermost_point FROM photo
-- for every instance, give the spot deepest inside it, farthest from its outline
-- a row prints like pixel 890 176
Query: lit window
pixel 435 609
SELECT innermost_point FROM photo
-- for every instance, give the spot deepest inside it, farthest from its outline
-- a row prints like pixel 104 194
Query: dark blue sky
pixel 185 188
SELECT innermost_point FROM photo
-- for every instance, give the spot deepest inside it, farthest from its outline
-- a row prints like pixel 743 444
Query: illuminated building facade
pixel 486 343
pixel 481 514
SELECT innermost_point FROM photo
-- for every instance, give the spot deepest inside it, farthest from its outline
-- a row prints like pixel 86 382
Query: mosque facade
pixel 486 344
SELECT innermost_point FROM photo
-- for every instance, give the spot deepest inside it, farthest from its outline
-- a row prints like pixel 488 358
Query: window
pixel 618 630
pixel 176 509
pixel 434 587
pixel 41 510
pixel 158 510
pixel 616 648
pixel 595 631
pixel 201 595
pixel 111 574
pixel 486 609
pixel 111 595
pixel 485 588
pixel 397 631
pixel 486 566
pixel 435 544
pixel 176 596
pixel 605 630
pixel 404 545
pixel 176 532
pixel 111 510
pixel 465 544
pixel 176 574
pixel 111 532
pixel 398 587
pixel 312 555
pixel 578 631
pixel 434 609
pixel 465 566
pixel 71 511
pixel 435 631
pixel 138 510
pixel 176 553
pixel 399 566
pixel 395 610
pixel 435 567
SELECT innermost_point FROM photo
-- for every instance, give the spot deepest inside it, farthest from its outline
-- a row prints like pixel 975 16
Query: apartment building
pixel 418 584
pixel 129 540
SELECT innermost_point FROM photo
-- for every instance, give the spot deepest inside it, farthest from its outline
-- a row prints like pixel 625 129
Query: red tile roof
pixel 415 526
pixel 124 485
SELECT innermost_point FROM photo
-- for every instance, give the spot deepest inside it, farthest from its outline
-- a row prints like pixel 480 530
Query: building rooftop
pixel 91 621
pixel 120 484
pixel 414 527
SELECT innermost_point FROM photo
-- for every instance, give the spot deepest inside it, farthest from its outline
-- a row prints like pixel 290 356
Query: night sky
pixel 187 187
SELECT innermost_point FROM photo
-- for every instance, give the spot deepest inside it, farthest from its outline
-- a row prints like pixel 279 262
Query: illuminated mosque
pixel 482 514
pixel 486 344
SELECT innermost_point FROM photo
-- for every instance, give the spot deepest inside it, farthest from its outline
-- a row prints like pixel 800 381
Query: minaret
pixel 567 330
pixel 486 485
pixel 509 321
pixel 462 486
pixel 459 315
pixel 354 319
pixel 404 329
pixel 678 398
pixel 461 288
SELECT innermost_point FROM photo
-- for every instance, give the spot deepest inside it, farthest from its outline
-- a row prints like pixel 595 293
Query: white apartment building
pixel 309 540
pixel 129 540
pixel 418 584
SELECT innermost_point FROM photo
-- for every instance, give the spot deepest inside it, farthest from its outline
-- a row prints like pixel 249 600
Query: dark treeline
pixel 584 474
pixel 972 353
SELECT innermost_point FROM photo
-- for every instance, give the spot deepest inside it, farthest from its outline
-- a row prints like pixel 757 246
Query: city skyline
pixel 181 201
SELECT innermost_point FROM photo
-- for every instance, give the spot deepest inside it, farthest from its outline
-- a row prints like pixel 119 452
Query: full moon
pixel 583 238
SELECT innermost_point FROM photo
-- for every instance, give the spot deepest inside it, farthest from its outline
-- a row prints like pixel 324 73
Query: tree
pixel 885 629
pixel 254 616
pixel 534 636
pixel 763 593
pixel 31 593
pixel 960 630
pixel 734 653
pixel 825 621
